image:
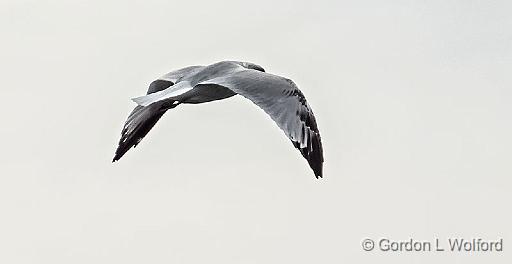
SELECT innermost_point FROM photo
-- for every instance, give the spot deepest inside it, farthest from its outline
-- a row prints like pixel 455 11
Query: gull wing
pixel 282 100
pixel 143 118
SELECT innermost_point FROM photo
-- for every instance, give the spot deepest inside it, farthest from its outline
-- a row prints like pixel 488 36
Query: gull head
pixel 252 66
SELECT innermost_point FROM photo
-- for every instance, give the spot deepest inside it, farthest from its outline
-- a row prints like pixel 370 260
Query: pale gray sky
pixel 412 98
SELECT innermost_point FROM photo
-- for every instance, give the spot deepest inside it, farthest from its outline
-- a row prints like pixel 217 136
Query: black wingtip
pixel 127 142
pixel 118 155
pixel 317 169
pixel 139 123
pixel 313 153
pixel 319 174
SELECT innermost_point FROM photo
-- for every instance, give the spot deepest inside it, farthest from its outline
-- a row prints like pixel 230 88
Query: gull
pixel 279 97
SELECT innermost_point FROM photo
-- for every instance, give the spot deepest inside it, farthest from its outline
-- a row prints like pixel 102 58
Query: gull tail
pixel 138 124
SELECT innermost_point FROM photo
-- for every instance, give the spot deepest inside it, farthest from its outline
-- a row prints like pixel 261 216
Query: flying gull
pixel 279 97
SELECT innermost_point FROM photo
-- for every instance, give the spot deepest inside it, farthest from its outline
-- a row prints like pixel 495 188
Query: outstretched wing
pixel 143 118
pixel 284 102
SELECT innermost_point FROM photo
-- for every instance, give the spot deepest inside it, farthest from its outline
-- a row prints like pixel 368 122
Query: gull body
pixel 279 97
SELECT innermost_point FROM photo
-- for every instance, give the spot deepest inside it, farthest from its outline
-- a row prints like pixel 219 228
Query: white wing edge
pixel 175 90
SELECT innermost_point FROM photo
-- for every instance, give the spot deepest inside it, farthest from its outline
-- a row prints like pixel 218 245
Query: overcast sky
pixel 412 99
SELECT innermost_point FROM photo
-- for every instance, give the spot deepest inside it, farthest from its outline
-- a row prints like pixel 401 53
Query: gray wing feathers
pixel 285 104
pixel 175 76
